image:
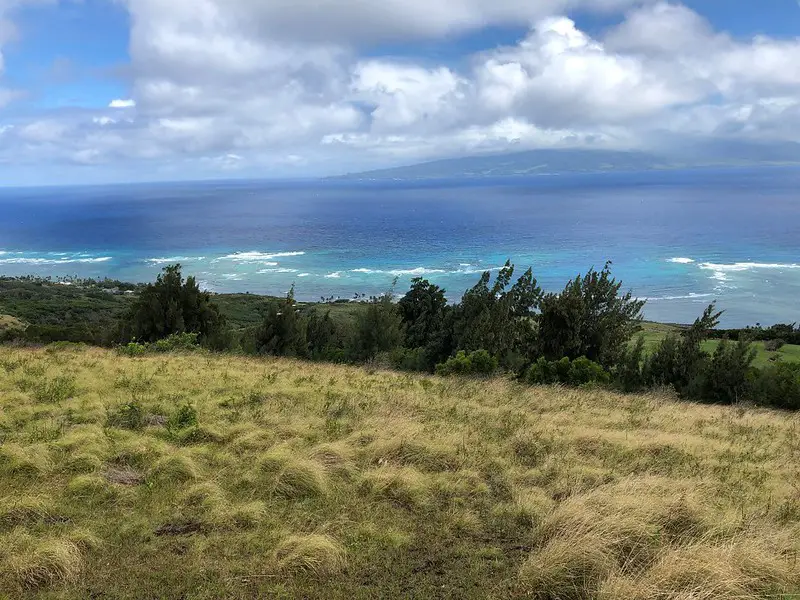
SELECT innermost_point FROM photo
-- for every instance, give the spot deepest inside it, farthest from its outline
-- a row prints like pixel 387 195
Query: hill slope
pixel 203 476
pixel 567 161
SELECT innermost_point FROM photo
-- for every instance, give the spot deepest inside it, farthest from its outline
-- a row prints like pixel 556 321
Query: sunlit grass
pixel 244 478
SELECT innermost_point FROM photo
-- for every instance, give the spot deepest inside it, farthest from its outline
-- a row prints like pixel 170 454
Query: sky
pixel 140 90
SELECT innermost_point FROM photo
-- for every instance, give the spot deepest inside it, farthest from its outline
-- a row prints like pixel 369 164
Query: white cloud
pixel 122 103
pixel 285 86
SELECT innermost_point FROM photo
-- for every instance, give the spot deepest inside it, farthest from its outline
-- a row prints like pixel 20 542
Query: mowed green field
pixel 200 476
pixel 654 332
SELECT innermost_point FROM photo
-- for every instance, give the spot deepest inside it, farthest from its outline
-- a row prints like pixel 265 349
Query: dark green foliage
pixel 578 372
pixel 133 349
pixel 589 318
pixel 774 345
pixel 86 311
pixel 630 373
pixel 777 385
pixel 183 418
pixel 726 375
pixel 497 318
pixel 324 337
pixel 378 329
pixel 479 362
pixel 126 416
pixel 284 330
pixel 422 311
pixel 583 371
pixel 678 361
pixel 788 333
pixel 172 305
pixel 409 359
pixel 177 341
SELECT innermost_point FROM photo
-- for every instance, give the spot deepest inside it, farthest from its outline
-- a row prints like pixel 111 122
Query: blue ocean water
pixel 679 238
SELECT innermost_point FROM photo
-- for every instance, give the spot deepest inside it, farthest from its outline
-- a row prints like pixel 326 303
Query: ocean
pixel 681 239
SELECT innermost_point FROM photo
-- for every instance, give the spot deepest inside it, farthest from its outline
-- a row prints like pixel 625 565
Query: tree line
pixel 583 335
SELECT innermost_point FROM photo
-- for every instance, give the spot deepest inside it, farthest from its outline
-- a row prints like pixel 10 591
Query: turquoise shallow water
pixel 679 238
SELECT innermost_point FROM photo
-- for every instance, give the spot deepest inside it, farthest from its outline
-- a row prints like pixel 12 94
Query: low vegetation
pixel 583 335
pixel 175 474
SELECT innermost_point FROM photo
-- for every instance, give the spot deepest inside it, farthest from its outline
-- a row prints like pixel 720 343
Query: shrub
pixel 172 305
pixel 774 345
pixel 406 359
pixel 778 386
pixel 679 361
pixel 498 318
pixel 630 372
pixel 177 341
pixel 479 362
pixel 581 371
pixel 132 349
pixel 183 418
pixel 725 377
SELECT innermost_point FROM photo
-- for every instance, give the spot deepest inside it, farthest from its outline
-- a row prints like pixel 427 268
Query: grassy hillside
pixel 201 476
pixel 654 332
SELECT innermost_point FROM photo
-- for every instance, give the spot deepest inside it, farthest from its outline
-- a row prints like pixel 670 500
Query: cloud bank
pixel 289 87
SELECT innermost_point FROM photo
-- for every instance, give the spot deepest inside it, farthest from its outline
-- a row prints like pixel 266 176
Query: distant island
pixel 574 161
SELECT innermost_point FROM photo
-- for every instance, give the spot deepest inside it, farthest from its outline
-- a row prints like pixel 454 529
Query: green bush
pixel 630 374
pixel 777 386
pixel 378 329
pixel 177 341
pixel 132 349
pixel 479 362
pixel 183 418
pixel 408 359
pixel 590 318
pixel 726 376
pixel 583 371
pixel 774 345
pixel 578 372
pixel 482 362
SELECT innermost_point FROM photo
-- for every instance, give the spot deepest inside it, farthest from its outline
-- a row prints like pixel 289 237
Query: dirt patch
pixel 123 476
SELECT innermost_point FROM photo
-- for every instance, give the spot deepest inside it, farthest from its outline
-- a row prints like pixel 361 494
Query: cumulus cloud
pixel 280 86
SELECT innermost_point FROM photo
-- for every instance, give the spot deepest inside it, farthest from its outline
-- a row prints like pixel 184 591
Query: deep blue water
pixel 679 238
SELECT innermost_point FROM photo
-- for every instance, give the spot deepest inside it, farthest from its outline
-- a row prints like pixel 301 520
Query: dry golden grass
pixel 318 481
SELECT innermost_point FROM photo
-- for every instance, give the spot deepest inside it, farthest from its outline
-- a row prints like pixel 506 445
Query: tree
pixel 499 319
pixel 427 323
pixel 589 318
pixel 284 330
pixel 422 311
pixel 172 305
pixel 678 361
pixel 378 329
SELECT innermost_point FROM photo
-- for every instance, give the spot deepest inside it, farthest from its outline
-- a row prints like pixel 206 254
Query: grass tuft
pixel 318 555
pixel 90 488
pixel 404 452
pixel 24 510
pixel 175 468
pixel 29 461
pixel 28 563
pixel 290 476
pixel 405 486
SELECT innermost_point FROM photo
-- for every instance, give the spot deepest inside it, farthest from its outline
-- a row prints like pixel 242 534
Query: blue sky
pixel 243 88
